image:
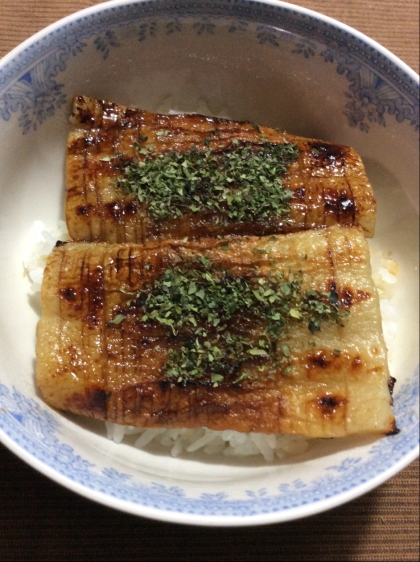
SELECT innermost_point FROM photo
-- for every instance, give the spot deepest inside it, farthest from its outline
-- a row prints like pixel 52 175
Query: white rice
pixel 226 443
pixel 384 274
pixel 41 245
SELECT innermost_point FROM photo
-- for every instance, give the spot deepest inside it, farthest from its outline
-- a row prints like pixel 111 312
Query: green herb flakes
pixel 117 319
pixel 241 182
pixel 226 327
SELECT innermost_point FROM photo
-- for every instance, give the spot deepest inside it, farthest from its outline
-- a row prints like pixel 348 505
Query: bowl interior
pixel 271 64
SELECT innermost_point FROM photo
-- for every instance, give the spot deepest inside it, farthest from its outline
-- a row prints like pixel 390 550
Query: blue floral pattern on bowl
pixel 371 98
pixel 375 92
pixel 37 431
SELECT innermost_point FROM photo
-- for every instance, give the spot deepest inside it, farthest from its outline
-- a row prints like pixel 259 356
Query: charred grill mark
pixel 71 298
pixel 119 260
pixel 114 210
pixel 329 404
pixel 345 205
pixel 391 384
pixel 145 341
pixel 332 361
pixel 339 205
pixel 351 207
pixel 90 139
pixel 85 161
pixel 299 194
pixel 327 155
pixel 348 298
pixel 68 294
pixel 98 192
pixel 95 290
pixel 109 113
pixel 330 202
pixel 164 385
pixel 394 430
pixel 84 113
pixel 119 209
pixel 319 359
pixel 102 136
pixel 127 118
pixel 328 401
pixel 93 402
pixel 131 115
pixel 131 207
pixel 77 145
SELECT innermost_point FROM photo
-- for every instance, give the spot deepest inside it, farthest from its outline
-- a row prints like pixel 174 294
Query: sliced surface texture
pixel 109 344
pixel 111 198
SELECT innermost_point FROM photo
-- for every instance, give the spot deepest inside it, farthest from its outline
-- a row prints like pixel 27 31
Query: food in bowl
pixel 271 334
pixel 203 323
pixel 134 176
pixel 183 71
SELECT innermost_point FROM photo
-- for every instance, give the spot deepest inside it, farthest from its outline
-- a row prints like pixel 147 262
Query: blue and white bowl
pixel 265 61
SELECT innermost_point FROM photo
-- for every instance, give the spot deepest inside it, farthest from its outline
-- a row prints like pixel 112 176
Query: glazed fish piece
pixel 103 350
pixel 328 183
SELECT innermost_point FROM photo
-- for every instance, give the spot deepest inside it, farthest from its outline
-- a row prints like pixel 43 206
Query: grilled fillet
pixel 338 383
pixel 328 181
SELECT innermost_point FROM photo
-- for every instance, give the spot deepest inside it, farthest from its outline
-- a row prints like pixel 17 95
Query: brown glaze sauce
pixel 348 297
pixel 340 205
pixel 119 209
pixel 107 120
pixel 323 359
pixel 327 155
pixel 68 294
pixel 330 404
pixel 93 402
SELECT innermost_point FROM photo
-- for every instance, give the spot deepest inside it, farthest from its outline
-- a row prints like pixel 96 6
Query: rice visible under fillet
pixel 42 242
pixel 228 442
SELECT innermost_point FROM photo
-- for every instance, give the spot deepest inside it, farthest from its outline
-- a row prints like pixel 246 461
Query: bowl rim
pixel 86 12
pixel 184 517
pixel 200 520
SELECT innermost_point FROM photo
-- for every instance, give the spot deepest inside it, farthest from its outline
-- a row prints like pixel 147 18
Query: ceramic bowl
pixel 265 61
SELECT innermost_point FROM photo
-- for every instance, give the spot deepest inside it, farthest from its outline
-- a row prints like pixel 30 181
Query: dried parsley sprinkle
pixel 222 324
pixel 242 182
